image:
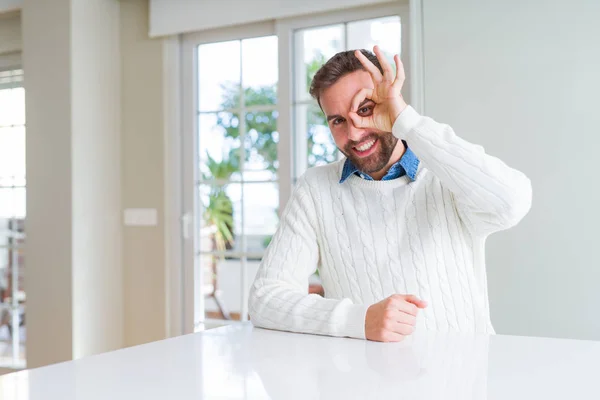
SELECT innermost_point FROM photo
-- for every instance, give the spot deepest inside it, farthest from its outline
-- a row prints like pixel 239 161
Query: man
pixel 397 228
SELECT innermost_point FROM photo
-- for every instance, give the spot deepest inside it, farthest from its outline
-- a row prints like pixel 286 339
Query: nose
pixel 354 134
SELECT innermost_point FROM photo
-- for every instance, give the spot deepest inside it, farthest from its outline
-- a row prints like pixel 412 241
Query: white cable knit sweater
pixel 372 239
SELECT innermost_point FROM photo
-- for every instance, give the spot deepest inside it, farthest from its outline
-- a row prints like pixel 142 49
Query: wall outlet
pixel 140 217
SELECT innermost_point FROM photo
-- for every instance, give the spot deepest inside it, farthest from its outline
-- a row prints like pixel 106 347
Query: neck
pixel 399 151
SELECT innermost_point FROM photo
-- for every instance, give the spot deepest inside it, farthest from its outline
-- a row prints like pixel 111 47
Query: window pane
pixel 384 32
pixel 12 104
pixel 221 217
pixel 261 146
pixel 314 143
pixel 261 206
pixel 313 47
pixel 223 285
pixel 12 155
pixel 321 146
pixel 260 70
pixel 12 214
pixel 221 221
pixel 219 75
pixel 12 202
pixel 219 145
pixel 12 319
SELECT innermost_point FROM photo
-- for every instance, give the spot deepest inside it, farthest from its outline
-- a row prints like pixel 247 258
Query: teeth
pixel 365 146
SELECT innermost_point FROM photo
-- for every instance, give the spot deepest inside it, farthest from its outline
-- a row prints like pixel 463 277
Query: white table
pixel 238 362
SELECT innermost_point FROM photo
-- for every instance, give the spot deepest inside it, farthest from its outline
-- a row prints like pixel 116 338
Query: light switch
pixel 140 217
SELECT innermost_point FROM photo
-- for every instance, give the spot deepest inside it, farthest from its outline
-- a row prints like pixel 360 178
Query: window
pixel 250 129
pixel 312 48
pixel 238 167
pixel 12 218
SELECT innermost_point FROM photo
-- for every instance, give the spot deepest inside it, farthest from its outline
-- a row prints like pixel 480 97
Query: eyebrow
pixel 365 101
pixel 362 103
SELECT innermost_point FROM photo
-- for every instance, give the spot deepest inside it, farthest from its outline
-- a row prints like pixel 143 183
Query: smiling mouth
pixel 365 148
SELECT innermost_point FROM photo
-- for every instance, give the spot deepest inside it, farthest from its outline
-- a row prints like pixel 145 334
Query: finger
pixel 362 94
pixel 388 72
pixel 408 308
pixel 398 327
pixel 416 301
pixel 389 337
pixel 407 319
pixel 410 298
pixel 369 66
pixel 405 307
pixel 400 75
pixel 361 122
pixel 404 329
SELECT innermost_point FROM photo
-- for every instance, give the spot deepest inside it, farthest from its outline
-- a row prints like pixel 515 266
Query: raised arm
pixel 489 195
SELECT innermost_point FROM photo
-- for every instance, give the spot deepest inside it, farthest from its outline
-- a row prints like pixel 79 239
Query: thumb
pixel 416 301
pixel 360 122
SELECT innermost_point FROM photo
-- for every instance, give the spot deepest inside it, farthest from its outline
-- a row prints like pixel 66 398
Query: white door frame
pixel 193 298
pixel 186 302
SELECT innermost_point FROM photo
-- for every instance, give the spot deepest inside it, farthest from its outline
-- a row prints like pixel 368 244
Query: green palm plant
pixel 218 211
pixel 221 170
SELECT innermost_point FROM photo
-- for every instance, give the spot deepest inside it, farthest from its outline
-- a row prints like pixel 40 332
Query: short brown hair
pixel 337 67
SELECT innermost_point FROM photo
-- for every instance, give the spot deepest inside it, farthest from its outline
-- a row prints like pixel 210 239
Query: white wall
pixel 169 17
pixel 10 33
pixel 10 5
pixel 74 274
pixel 96 177
pixel 522 78
pixel 85 62
pixel 143 183
pixel 46 59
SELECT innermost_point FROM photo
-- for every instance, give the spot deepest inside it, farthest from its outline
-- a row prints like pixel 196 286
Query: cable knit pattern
pixel 330 275
pixel 391 240
pixel 463 287
pixel 344 242
pixel 327 246
pixel 366 240
pixel 434 226
pixel 417 256
pixel 424 237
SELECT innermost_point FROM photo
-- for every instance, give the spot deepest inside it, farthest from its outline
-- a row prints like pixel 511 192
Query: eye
pixel 337 121
pixel 365 110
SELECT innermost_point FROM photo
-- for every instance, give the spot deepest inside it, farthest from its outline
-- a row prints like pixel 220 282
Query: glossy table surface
pixel 242 362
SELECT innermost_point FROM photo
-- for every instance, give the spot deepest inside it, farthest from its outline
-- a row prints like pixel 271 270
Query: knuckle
pixel 407 329
pixel 387 337
pixel 407 319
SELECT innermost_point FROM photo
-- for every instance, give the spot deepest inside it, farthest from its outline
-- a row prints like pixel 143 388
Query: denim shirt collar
pixel 407 165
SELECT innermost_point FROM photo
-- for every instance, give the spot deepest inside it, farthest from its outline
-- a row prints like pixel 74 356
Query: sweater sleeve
pixel 489 195
pixel 279 297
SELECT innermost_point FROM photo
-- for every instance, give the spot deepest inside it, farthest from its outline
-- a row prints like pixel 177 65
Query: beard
pixel 374 162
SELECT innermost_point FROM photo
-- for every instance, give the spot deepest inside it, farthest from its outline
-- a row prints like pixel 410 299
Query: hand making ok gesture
pixel 386 94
